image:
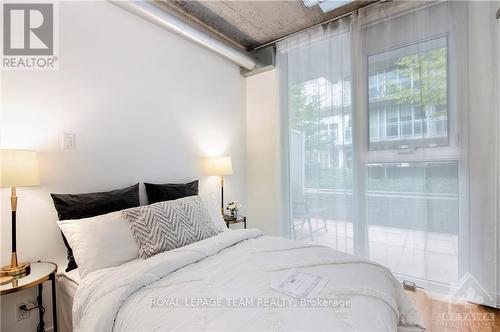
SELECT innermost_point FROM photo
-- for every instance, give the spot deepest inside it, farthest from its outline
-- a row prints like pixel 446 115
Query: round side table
pixel 231 220
pixel 40 272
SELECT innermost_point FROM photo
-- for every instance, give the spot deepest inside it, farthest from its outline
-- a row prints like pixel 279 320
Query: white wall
pixel 263 152
pixel 144 104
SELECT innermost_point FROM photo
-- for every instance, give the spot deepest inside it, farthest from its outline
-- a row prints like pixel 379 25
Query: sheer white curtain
pixel 391 118
pixel 317 75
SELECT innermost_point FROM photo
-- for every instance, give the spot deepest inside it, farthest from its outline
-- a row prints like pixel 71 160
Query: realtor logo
pixel 29 36
pixel 28 29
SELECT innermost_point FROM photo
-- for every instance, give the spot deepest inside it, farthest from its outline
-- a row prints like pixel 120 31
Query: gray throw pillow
pixel 168 225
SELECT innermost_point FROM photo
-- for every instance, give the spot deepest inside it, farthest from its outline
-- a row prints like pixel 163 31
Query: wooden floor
pixel 443 316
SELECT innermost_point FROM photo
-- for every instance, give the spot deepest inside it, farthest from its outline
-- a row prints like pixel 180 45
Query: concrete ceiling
pixel 250 24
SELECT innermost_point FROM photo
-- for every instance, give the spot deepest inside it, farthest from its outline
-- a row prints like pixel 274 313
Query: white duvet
pixel 224 284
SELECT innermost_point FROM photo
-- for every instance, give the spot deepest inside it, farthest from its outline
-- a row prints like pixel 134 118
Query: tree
pixel 428 71
pixel 307 114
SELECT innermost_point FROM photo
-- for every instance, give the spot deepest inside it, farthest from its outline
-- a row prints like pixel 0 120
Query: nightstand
pixel 40 272
pixel 231 220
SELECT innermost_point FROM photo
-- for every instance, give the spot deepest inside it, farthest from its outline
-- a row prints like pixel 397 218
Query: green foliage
pixel 429 76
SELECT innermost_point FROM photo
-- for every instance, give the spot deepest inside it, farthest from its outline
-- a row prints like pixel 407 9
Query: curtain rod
pixel 366 4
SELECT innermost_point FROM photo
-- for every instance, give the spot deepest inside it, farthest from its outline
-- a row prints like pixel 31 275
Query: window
pixel 347 129
pixel 416 205
pixel 413 92
pixel 334 133
pixel 419 125
pixel 404 185
pixel 322 131
pixel 392 129
pixel 406 120
pixel 412 198
pixel 375 124
pixel 408 198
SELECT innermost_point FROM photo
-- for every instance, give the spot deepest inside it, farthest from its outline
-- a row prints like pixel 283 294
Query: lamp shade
pixel 18 168
pixel 219 166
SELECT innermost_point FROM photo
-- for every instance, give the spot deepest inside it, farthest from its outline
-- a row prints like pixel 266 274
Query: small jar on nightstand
pixel 235 220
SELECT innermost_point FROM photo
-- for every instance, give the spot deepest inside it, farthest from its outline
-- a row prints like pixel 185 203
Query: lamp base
pixel 19 271
pixel 5 280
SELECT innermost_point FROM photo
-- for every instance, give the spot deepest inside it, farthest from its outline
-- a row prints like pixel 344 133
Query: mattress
pixel 67 283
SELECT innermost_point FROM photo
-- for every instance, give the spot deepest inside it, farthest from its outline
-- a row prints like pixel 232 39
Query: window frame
pixel 450 151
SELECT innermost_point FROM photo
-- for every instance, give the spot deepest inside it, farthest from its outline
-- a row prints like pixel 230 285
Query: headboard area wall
pixel 144 105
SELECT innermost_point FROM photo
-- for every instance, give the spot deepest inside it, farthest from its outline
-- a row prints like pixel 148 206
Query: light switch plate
pixel 68 141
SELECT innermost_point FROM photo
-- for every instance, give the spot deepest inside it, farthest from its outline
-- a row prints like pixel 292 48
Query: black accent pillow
pixel 78 206
pixel 170 191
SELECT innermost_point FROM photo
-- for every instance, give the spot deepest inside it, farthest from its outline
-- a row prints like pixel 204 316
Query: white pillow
pixel 214 212
pixel 99 242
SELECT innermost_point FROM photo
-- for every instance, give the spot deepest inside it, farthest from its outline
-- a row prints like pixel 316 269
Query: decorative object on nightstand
pixel 233 207
pixel 18 168
pixel 232 220
pixel 219 166
pixel 40 272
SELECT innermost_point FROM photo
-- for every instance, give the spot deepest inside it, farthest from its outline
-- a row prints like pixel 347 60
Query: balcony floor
pixel 426 255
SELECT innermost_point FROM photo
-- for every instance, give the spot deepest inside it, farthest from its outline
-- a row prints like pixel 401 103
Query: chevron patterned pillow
pixel 168 225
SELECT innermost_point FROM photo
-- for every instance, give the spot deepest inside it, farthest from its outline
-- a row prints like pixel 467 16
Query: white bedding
pixel 240 265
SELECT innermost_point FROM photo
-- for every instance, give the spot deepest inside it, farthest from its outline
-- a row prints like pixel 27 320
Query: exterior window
pixel 405 115
pixel 374 124
pixel 390 85
pixel 348 158
pixel 373 86
pixel 392 129
pixel 347 130
pixel 419 122
pixel 346 96
pixel 335 133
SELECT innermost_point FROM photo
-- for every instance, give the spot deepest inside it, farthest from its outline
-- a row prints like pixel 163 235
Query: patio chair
pixel 302 214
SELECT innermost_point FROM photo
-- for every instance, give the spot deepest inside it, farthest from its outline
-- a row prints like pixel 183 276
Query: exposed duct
pixel 165 20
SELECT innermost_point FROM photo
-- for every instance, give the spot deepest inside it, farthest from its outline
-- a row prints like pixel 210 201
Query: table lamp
pixel 18 168
pixel 220 166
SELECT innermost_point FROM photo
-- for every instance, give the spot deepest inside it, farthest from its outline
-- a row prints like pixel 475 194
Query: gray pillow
pixel 168 225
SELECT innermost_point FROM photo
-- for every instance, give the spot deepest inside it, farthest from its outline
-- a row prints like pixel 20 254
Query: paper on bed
pixel 300 284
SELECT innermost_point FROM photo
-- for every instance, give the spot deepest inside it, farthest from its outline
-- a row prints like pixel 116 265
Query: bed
pixel 67 283
pixel 164 291
pixel 174 266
